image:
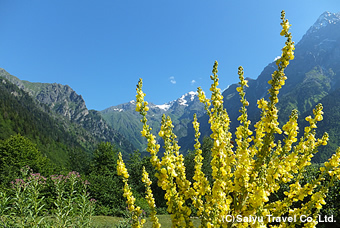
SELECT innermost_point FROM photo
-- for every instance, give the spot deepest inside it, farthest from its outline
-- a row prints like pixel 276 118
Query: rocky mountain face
pixel 127 121
pixel 21 114
pixel 63 100
pixel 69 107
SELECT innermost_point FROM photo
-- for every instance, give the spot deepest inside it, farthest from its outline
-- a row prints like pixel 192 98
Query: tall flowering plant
pixel 246 175
pixel 29 206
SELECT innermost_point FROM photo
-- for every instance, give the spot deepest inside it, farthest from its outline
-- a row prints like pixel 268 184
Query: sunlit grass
pixel 108 221
pixel 105 221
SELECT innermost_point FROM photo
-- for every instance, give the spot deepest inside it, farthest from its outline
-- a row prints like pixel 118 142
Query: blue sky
pixel 101 48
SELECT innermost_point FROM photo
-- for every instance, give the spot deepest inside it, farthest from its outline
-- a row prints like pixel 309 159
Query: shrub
pixel 244 176
pixel 16 152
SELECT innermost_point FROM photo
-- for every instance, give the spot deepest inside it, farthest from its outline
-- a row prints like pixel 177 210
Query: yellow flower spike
pixel 138 106
pixel 201 186
pixel 135 211
pixel 161 133
pixel 143 133
pixel 244 174
pixel 171 169
pixel 150 199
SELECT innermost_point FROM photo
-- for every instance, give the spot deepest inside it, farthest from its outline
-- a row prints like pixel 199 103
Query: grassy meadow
pixel 109 221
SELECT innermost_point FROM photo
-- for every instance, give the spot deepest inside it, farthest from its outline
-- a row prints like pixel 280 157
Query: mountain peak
pixel 183 100
pixel 190 96
pixel 324 20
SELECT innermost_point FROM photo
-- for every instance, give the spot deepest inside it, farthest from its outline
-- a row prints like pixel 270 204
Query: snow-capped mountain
pixel 313 76
pixel 184 100
pixel 324 20
pixel 188 97
pixel 126 119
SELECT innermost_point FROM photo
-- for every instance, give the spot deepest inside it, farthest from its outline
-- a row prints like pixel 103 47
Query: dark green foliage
pixel 304 97
pixel 19 113
pixel 79 161
pixel 135 166
pixel 329 124
pixel 105 185
pixel 332 206
pixel 17 152
pixel 189 163
pixel 41 117
pixel 104 160
pixel 189 160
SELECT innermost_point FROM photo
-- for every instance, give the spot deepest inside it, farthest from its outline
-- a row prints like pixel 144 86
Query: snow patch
pixel 188 96
pixel 192 95
pixel 325 19
pixel 183 100
pixel 164 107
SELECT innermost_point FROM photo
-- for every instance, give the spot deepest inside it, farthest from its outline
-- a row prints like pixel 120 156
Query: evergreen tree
pixel 105 185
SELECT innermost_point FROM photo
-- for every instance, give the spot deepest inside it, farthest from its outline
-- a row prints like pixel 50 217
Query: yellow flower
pixel 146 108
pixel 144 132
pixel 138 106
pixel 244 173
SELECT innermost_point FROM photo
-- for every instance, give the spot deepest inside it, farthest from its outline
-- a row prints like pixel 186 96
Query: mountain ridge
pixel 313 76
pixel 126 119
pixel 67 105
pixel 324 19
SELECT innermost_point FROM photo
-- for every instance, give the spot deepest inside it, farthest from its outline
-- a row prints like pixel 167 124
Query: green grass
pixel 108 221
pixel 105 221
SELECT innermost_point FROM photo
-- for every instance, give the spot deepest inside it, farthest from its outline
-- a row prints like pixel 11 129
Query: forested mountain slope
pixel 20 114
pixel 64 108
